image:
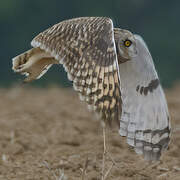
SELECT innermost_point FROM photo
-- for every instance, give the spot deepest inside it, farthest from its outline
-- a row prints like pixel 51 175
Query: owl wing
pixel 86 48
pixel 145 117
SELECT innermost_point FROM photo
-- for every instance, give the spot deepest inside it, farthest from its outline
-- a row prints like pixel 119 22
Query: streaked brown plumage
pixel 85 47
pixel 93 52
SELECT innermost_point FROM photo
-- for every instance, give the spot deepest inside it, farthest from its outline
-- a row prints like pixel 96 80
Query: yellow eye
pixel 127 43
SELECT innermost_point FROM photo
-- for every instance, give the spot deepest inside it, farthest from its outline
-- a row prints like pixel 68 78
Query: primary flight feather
pixel 112 70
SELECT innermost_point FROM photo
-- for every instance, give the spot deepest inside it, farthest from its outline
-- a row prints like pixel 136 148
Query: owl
pixel 113 72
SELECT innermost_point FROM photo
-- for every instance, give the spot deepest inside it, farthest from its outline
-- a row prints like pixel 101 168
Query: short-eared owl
pixel 113 71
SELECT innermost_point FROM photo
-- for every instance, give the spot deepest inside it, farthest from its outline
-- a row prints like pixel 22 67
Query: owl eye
pixel 127 43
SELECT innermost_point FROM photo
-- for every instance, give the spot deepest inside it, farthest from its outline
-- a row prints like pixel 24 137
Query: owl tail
pixel 34 63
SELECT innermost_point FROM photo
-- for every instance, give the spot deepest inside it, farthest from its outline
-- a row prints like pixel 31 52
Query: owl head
pixel 125 45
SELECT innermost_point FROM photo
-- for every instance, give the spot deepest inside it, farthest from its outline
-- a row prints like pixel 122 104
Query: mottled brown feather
pixel 33 63
pixel 86 48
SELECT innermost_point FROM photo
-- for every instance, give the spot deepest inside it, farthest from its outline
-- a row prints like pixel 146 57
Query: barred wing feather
pixel 86 48
pixel 145 117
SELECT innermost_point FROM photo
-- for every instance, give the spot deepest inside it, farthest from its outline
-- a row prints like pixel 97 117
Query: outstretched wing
pixel 145 117
pixel 86 48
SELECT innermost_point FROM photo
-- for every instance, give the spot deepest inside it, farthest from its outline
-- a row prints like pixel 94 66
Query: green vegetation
pixel 157 21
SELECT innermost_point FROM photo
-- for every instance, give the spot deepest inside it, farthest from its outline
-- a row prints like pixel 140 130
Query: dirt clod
pixel 49 134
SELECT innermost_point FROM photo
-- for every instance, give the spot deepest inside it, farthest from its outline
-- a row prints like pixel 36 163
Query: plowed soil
pixel 48 134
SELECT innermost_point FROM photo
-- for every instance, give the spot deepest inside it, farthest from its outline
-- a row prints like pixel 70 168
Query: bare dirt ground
pixel 47 134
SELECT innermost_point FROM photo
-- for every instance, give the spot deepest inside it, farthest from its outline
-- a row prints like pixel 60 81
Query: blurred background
pixel 157 21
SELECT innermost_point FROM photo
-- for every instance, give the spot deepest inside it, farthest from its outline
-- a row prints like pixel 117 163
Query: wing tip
pixel 150 148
